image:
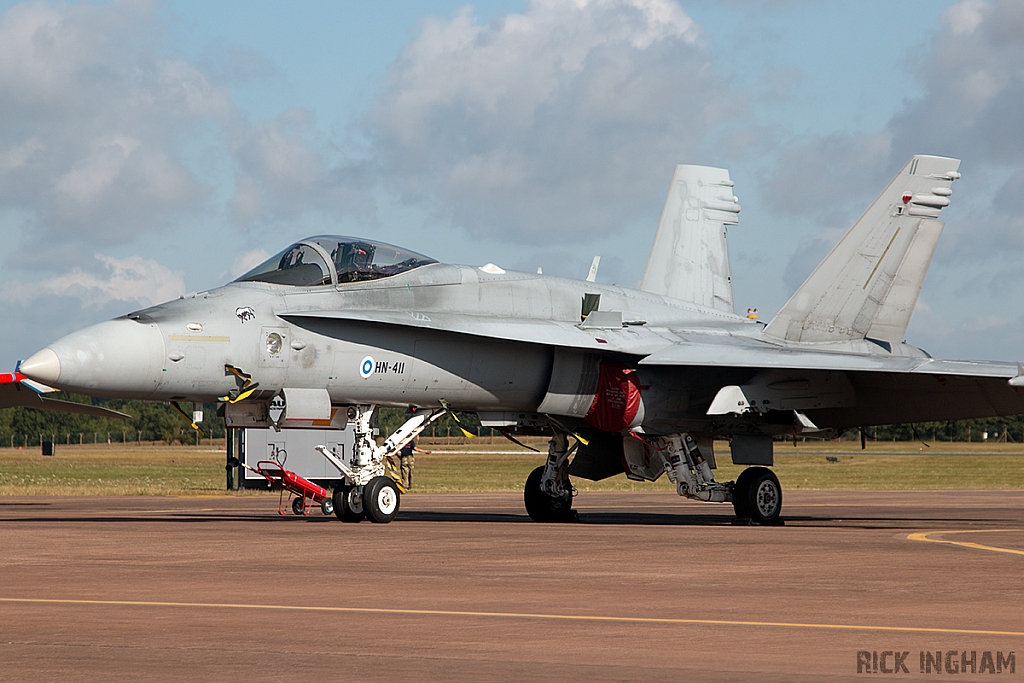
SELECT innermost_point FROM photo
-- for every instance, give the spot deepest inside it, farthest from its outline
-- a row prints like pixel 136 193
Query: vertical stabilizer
pixel 854 286
pixel 690 258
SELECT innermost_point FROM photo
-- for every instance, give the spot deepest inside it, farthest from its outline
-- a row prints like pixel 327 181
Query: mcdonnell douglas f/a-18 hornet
pixel 639 381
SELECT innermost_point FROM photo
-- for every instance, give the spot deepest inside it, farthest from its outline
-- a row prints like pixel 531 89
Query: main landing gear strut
pixel 756 496
pixel 548 492
pixel 368 490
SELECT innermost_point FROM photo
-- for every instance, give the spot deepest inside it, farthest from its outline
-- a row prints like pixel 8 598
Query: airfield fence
pixel 127 438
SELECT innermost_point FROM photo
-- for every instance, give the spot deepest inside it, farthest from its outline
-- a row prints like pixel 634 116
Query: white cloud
pixel 99 127
pixel 243 263
pixel 282 174
pixel 829 176
pixel 965 16
pixel 133 280
pixel 975 90
pixel 106 134
pixel 971 107
pixel 558 122
pixel 106 287
pixel 92 119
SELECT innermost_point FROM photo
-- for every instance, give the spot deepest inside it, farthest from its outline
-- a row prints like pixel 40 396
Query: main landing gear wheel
pixel 544 508
pixel 758 496
pixel 299 506
pixel 348 503
pixel 380 500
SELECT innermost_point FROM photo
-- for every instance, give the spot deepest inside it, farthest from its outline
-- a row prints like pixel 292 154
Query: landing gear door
pixel 305 408
pixel 641 463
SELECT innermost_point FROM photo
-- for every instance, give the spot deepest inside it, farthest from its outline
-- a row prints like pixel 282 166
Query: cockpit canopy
pixel 333 259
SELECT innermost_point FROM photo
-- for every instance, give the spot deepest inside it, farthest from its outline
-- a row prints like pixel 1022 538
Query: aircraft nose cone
pixel 42 366
pixel 118 358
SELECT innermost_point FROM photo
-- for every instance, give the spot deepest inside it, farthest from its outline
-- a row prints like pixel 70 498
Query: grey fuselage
pixel 481 341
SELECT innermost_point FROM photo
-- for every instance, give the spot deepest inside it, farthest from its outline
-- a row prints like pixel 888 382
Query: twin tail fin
pixel 868 284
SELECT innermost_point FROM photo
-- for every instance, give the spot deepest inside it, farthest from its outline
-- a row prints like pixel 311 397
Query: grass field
pixel 114 470
pixel 127 470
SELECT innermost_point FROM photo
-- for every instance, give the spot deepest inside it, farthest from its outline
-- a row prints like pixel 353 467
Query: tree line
pixel 153 422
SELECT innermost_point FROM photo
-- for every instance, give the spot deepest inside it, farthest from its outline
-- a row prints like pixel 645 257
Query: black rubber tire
pixel 299 505
pixel 741 494
pixel 540 506
pixel 341 507
pixel 758 496
pixel 327 506
pixel 381 500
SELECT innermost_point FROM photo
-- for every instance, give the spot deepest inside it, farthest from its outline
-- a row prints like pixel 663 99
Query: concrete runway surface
pixel 460 587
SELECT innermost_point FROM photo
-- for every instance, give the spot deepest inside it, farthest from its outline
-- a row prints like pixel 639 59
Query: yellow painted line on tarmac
pixel 966 544
pixel 517 615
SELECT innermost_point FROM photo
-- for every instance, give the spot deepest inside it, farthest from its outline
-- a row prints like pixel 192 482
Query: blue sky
pixel 150 149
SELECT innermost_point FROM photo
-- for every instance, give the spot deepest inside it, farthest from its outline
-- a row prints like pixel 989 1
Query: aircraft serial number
pixel 383 367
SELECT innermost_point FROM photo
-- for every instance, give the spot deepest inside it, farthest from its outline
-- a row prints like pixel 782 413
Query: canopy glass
pixel 332 258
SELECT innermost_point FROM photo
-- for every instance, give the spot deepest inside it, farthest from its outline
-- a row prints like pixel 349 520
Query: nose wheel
pixel 381 500
pixel 348 503
pixel 378 501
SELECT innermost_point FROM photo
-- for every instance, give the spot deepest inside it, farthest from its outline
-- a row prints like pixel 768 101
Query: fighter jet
pixel 640 381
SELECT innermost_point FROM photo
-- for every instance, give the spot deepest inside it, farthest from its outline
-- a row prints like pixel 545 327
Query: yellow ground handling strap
pixel 458 423
pixel 244 390
pixel 196 427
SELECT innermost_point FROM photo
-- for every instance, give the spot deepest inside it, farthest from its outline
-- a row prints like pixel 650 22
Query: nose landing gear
pixel 369 490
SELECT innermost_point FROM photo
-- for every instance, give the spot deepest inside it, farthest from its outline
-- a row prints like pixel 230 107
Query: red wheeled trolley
pixel 306 493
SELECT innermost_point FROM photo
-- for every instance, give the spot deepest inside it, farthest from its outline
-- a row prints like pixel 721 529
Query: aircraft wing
pixel 605 332
pixel 17 390
pixel 844 389
pixel 749 353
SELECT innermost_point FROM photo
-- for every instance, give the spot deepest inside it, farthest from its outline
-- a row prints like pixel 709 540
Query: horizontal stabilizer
pixel 751 354
pixel 690 257
pixel 876 270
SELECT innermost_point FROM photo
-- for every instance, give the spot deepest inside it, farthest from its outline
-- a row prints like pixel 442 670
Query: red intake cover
pixel 617 399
